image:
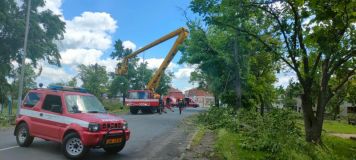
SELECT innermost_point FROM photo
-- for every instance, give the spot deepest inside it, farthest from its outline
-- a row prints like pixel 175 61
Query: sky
pixel 93 26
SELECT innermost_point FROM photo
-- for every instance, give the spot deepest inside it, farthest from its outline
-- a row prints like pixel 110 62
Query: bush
pixel 114 106
pixel 275 135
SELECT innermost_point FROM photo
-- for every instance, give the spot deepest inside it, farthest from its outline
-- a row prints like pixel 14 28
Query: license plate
pixel 113 140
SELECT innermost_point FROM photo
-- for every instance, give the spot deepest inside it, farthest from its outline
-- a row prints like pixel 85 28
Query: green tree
pixel 72 82
pixel 292 92
pixel 313 38
pixel 29 79
pixel 164 83
pixel 121 84
pixel 345 94
pixel 95 78
pixel 45 29
pixel 234 67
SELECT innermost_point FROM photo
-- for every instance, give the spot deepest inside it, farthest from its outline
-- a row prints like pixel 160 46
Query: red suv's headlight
pixel 125 125
pixel 93 127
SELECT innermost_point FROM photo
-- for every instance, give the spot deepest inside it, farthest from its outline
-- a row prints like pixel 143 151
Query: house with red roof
pixel 200 96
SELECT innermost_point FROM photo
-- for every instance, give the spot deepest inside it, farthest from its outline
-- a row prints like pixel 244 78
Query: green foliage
pixel 273 136
pixel 29 80
pixel 313 38
pixel 164 83
pixel 338 127
pixel 290 94
pixel 228 146
pixel 94 78
pixel 114 106
pixel 45 29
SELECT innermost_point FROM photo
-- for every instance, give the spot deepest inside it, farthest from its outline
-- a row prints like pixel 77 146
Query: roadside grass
pixel 6 120
pixel 115 107
pixel 339 127
pixel 229 147
pixel 342 148
pixel 331 126
pixel 198 136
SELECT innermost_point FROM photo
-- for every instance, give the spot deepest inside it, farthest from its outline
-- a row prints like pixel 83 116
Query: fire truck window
pixel 31 99
pixel 142 95
pixel 50 101
pixel 138 95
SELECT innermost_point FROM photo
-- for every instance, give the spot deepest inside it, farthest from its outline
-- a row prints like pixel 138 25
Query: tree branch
pixel 339 63
pixel 346 79
pixel 316 63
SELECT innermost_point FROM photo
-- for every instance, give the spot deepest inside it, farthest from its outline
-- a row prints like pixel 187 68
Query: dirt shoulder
pixel 345 136
pixel 202 146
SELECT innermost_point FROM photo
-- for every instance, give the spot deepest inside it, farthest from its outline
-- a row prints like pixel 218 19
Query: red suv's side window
pixel 51 102
pixel 31 99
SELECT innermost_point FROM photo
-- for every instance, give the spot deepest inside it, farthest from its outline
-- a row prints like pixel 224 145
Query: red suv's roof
pixel 47 91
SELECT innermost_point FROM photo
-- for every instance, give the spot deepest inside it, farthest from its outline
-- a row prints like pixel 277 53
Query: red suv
pixel 70 116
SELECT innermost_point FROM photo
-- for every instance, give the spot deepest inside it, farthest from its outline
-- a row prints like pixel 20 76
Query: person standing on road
pixel 180 106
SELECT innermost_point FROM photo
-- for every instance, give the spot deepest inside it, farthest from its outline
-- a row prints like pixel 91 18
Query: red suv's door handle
pixel 41 114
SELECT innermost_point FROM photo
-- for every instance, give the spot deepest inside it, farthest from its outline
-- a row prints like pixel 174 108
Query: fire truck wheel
pixel 23 137
pixel 113 150
pixel 133 110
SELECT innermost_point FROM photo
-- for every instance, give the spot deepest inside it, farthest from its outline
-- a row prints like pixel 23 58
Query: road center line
pixel 3 149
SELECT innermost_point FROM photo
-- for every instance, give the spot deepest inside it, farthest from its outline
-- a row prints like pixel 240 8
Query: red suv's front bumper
pixel 96 138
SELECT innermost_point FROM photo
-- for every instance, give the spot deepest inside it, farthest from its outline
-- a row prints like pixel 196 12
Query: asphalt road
pixel 153 136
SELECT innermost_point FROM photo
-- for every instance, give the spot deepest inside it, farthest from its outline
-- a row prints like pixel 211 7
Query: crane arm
pixel 122 69
pixel 154 81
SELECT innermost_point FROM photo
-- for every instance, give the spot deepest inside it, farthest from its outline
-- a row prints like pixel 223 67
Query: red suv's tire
pixel 73 147
pixel 23 137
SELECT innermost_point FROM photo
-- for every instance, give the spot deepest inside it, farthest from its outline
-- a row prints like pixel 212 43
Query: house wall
pixel 203 101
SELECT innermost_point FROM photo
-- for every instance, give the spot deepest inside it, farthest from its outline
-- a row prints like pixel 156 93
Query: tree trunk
pixel 311 125
pixel 123 98
pixel 216 100
pixel 238 77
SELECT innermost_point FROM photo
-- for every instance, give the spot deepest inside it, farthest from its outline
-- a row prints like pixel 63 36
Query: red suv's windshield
pixel 87 104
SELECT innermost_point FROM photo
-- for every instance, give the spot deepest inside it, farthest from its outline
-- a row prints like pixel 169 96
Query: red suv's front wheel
pixel 73 147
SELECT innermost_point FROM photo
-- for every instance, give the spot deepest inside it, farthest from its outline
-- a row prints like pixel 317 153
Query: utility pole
pixel 23 58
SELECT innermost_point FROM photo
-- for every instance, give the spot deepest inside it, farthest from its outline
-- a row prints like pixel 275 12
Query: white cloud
pixel 129 45
pixel 183 73
pixel 90 30
pixel 53 5
pixel 109 63
pixel 86 38
pixel 80 56
pixel 154 63
pixel 52 75
pixel 284 78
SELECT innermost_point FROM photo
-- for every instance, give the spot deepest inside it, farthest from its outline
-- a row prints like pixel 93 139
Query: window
pixel 31 99
pixel 87 104
pixel 138 95
pixel 51 102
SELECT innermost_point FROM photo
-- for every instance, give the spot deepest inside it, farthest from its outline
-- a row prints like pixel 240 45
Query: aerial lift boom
pixel 154 81
pixel 150 102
